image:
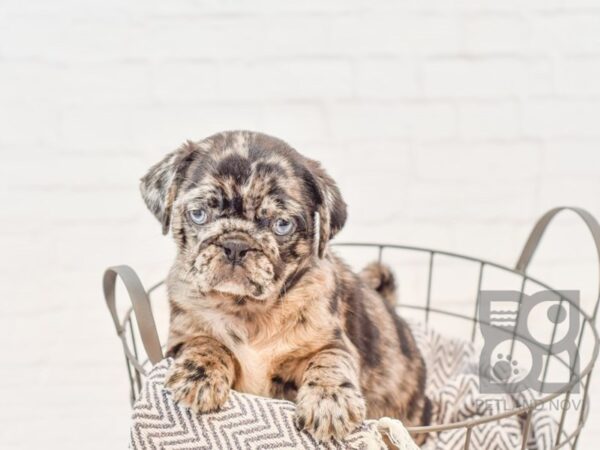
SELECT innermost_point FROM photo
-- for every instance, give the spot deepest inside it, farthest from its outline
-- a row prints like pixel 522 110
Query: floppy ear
pixel 159 186
pixel 329 204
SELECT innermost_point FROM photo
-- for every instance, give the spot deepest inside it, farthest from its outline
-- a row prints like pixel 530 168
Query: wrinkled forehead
pixel 246 177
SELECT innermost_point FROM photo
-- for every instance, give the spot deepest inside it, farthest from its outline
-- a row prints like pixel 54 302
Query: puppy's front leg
pixel 202 374
pixel 329 402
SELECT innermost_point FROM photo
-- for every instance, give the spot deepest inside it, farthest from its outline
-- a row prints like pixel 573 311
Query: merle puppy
pixel 260 304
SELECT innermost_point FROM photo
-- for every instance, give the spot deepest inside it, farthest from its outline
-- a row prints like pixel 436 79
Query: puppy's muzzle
pixel 235 250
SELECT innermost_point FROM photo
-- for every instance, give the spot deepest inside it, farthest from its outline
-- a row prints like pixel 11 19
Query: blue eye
pixel 198 216
pixel 283 227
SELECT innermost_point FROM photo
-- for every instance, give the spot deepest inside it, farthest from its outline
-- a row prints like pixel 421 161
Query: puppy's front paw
pixel 196 386
pixel 329 411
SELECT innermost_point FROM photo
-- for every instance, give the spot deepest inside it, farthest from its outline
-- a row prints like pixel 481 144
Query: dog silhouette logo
pixel 529 341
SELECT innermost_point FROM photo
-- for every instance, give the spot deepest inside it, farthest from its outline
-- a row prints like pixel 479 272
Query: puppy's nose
pixel 235 250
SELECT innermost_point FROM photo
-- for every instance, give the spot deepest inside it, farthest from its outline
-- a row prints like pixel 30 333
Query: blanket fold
pixel 249 422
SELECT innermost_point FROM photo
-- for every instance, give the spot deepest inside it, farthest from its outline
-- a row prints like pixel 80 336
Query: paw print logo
pixel 510 363
pixel 505 367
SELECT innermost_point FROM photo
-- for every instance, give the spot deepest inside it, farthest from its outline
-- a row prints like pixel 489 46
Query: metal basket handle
pixel 538 231
pixel 141 307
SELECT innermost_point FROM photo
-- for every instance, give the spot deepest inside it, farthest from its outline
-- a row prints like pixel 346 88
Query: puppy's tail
pixel 379 277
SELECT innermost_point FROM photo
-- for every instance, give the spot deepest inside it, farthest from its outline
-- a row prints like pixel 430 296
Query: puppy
pixel 260 304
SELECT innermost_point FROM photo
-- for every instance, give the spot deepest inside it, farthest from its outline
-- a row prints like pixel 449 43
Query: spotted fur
pixel 290 319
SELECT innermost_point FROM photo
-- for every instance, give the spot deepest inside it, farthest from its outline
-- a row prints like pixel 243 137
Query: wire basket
pixel 435 262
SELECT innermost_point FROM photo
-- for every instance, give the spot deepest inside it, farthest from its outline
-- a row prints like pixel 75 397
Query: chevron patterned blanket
pixel 250 422
pixel 245 422
pixel 453 387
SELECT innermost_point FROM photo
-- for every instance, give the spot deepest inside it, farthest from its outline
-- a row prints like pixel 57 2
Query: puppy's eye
pixel 283 227
pixel 198 216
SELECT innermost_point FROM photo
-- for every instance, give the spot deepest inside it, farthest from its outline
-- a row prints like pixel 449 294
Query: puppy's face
pixel 249 214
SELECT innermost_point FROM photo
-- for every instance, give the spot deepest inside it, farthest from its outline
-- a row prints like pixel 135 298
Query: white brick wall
pixel 448 123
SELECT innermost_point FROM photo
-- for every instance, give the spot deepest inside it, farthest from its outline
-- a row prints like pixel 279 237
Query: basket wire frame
pixel 145 330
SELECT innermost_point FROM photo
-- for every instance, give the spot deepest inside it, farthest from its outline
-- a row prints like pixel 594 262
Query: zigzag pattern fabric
pixel 245 422
pixel 249 422
pixel 453 387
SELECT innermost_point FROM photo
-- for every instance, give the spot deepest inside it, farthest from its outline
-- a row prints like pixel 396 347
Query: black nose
pixel 235 250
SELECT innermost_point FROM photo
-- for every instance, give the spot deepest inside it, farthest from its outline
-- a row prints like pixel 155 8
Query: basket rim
pixel 469 423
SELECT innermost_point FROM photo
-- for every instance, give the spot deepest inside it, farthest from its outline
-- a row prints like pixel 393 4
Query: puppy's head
pixel 247 211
